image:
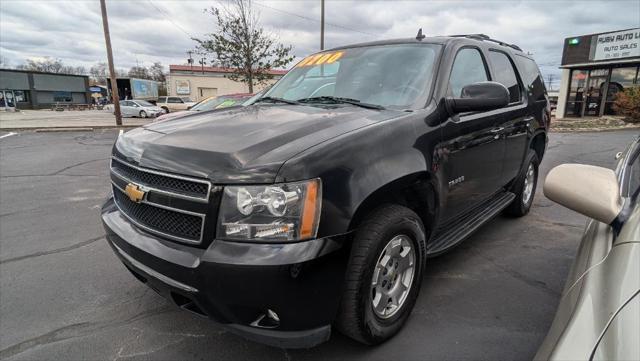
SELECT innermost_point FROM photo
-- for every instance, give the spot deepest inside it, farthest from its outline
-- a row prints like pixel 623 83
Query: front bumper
pixel 236 283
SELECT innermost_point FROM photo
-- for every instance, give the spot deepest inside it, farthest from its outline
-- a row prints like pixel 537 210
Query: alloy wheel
pixel 393 276
pixel 529 181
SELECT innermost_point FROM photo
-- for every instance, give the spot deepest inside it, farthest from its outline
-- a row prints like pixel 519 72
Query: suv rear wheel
pixel 525 187
pixel 383 276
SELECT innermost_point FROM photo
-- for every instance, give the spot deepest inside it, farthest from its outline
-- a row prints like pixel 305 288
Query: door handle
pixel 497 130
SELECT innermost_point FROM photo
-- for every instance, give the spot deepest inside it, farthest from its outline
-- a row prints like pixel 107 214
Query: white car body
pixel 174 103
pixel 139 108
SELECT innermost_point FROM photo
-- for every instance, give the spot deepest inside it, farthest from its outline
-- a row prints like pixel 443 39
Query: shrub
pixel 627 103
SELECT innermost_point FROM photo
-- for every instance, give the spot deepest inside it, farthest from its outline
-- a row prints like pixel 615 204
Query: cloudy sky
pixel 146 31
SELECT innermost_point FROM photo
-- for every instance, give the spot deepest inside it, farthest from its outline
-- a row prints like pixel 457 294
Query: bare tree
pixel 240 43
pixel 99 73
pixel 50 65
pixel 156 71
pixel 139 72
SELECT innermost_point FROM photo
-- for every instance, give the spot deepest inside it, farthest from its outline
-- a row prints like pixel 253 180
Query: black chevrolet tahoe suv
pixel 319 205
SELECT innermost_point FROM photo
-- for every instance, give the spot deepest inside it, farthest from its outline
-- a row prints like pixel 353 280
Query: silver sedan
pixel 139 108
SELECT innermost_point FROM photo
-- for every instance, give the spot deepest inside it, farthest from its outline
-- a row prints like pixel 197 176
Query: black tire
pixel 143 114
pixel 166 110
pixel 356 317
pixel 519 207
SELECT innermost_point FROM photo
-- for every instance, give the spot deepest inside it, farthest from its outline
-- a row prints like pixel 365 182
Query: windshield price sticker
pixel 319 59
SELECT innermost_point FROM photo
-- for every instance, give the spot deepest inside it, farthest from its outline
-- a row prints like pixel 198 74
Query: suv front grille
pixel 177 225
pixel 171 206
pixel 174 184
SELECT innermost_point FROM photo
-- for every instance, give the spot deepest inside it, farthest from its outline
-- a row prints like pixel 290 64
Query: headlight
pixel 279 212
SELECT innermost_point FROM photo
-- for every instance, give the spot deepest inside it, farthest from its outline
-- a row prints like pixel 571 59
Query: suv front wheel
pixel 525 187
pixel 384 275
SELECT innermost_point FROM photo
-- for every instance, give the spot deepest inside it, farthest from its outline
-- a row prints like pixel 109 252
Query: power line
pixel 168 17
pixel 314 20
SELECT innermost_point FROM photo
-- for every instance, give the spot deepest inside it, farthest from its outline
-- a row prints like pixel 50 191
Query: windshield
pixel 217 103
pixel 144 103
pixel 395 76
pixel 186 99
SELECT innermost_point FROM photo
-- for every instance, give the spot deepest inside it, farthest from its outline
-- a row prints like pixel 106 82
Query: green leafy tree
pixel 241 44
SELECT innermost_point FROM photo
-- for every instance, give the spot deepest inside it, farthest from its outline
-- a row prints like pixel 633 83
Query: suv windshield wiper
pixel 276 100
pixel 338 100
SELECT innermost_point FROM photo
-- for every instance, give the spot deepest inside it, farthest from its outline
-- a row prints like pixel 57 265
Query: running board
pixel 457 232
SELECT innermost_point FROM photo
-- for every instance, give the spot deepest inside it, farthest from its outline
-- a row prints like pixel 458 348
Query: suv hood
pixel 241 145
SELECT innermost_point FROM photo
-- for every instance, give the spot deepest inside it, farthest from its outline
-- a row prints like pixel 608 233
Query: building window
pixel 576 93
pixel 595 91
pixel 621 78
pixel 62 97
pixel 21 96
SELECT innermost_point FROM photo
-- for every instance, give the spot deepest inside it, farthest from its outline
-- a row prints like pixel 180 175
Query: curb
pixel 69 129
pixel 593 130
pixel 52 130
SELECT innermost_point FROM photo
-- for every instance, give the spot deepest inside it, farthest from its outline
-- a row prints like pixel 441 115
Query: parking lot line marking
pixel 8 135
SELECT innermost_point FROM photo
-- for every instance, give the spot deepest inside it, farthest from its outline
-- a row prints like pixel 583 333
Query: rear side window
pixel 505 74
pixel 174 100
pixel 468 68
pixel 162 100
pixel 531 77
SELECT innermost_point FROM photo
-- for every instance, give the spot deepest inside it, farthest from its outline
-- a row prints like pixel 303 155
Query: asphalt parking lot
pixel 65 296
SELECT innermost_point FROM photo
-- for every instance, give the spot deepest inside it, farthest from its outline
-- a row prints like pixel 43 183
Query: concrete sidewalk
pixel 71 120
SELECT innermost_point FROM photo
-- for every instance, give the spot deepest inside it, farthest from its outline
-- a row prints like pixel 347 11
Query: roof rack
pixel 484 37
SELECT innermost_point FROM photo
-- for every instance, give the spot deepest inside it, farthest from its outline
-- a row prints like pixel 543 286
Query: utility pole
pixel 112 71
pixel 321 24
pixel 190 59
pixel 549 81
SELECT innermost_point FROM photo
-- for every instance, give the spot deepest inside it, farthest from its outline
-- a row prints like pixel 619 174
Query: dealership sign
pixel 621 44
pixel 183 87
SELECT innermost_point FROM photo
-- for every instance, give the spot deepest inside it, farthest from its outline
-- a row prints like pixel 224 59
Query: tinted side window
pixel 505 74
pixel 162 100
pixel 531 77
pixel 174 100
pixel 468 68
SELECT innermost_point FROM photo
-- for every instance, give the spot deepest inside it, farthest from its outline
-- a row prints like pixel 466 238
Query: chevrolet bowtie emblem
pixel 134 192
